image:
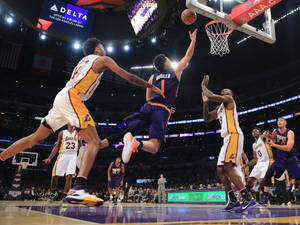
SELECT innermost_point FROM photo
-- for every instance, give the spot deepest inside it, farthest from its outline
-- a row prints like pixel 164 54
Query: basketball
pixel 188 16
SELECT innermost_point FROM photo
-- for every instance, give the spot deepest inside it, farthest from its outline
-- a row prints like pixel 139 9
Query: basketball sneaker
pixel 52 197
pixel 130 146
pixel 247 205
pixel 263 200
pixel 232 206
pixel 81 196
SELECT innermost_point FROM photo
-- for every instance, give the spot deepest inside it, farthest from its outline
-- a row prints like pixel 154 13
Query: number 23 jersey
pixel 69 143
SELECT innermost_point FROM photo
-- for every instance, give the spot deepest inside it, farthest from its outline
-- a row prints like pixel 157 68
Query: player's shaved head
pixel 227 91
pixel 93 46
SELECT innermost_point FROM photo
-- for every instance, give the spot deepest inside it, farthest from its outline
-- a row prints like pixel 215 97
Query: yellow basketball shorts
pixel 232 149
pixel 68 108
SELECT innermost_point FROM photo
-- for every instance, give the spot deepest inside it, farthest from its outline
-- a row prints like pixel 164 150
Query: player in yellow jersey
pixel 68 107
pixel 232 148
pixel 67 147
pixel 262 159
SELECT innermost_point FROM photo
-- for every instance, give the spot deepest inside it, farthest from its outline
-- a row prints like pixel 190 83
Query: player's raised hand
pixel 193 35
pixel 173 110
pixel 158 91
pixel 204 98
pixel 266 134
pixel 47 161
pixel 205 81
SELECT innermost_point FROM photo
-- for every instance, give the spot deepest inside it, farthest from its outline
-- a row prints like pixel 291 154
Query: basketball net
pixel 218 34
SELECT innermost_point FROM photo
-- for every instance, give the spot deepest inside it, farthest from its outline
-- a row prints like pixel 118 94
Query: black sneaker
pixel 231 206
pixel 247 205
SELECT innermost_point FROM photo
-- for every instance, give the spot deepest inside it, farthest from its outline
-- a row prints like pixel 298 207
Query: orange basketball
pixel 188 16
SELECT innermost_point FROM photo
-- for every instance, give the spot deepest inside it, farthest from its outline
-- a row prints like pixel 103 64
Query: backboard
pixel 221 10
pixel 30 157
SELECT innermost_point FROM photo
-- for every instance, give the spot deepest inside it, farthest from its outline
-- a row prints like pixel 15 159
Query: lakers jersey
pixel 69 143
pixel 263 151
pixel 228 120
pixel 84 79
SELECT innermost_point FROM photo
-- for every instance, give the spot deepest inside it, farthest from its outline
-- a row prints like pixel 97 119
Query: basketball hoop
pixel 24 165
pixel 218 33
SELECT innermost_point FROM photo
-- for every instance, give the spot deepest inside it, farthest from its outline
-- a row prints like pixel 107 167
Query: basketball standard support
pixel 268 36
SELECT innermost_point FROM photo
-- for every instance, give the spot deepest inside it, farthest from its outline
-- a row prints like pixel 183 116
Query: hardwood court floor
pixel 41 213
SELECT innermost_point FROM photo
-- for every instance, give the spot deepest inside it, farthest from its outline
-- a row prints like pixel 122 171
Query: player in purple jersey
pixel 115 176
pixel 282 140
pixel 156 113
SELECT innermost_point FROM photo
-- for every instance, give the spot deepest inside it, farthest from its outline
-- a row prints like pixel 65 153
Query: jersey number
pixel 259 153
pixel 70 145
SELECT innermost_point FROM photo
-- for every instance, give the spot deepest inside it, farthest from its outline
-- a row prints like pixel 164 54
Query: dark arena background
pixel 40 45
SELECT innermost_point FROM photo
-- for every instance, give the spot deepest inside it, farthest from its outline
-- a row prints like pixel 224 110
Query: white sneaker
pixel 81 196
pixel 130 146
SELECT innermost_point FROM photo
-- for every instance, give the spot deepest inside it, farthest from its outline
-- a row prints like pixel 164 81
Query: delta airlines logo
pixel 54 8
pixel 72 13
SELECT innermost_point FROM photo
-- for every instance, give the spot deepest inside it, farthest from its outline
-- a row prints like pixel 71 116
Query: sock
pixel 245 194
pixel 139 145
pixel 80 182
pixel 266 194
pixel 232 196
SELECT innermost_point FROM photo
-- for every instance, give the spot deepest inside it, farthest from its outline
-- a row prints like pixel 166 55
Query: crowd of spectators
pixel 283 192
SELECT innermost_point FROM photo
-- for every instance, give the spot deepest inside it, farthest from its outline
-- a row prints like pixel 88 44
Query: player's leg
pixel 158 119
pixel 293 167
pixel 276 169
pixel 53 188
pixel 232 203
pixel 78 115
pixel 254 175
pixel 70 172
pixel 93 141
pixel 78 193
pixel 68 184
pixel 27 142
pixel 117 194
pixel 232 157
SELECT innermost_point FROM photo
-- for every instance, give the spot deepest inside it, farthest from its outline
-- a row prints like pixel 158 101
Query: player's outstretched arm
pixel 253 161
pixel 289 145
pixel 188 55
pixel 54 150
pixel 211 96
pixel 108 62
pixel 207 115
pixel 149 91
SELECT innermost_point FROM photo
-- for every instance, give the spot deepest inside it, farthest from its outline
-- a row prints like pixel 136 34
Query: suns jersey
pixel 84 79
pixel 69 143
pixel 228 120
pixel 263 151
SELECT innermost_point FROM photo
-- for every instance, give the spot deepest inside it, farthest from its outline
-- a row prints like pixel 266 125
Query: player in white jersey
pixel 262 159
pixel 67 147
pixel 232 148
pixel 68 107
